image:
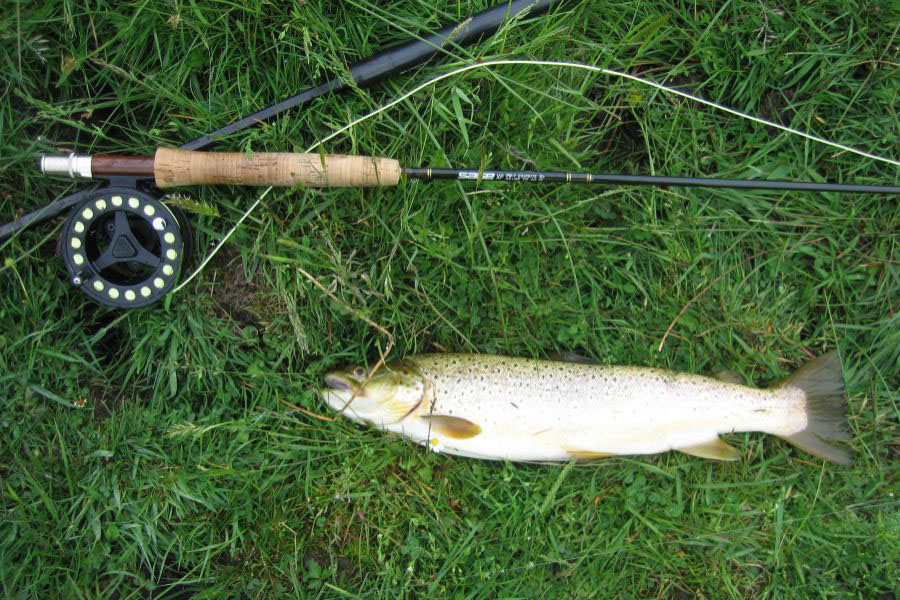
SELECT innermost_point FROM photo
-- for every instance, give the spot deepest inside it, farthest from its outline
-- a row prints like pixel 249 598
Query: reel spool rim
pixel 161 220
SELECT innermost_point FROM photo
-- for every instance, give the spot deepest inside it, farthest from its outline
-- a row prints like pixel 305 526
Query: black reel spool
pixel 123 247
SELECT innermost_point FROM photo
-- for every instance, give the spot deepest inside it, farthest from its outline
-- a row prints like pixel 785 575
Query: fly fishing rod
pixel 174 167
pixel 123 247
pixel 116 211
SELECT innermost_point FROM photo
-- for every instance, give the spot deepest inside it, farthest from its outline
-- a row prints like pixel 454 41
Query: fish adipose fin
pixel 453 427
pixel 715 449
pixel 573 357
pixel 822 380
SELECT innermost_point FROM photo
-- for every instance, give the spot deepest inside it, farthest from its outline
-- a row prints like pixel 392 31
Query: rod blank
pixel 427 173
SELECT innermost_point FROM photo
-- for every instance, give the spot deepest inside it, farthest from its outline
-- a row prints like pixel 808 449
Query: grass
pixel 149 453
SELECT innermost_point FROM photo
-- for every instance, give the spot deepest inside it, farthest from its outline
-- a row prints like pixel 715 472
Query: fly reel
pixel 124 248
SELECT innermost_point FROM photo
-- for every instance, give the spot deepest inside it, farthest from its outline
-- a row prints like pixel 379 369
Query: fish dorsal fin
pixel 715 449
pixel 453 427
pixel 586 455
pixel 573 357
pixel 729 376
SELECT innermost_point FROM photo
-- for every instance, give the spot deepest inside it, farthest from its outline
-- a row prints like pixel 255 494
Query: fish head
pixel 380 397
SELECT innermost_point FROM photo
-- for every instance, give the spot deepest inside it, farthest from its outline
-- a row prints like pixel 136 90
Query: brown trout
pixel 520 409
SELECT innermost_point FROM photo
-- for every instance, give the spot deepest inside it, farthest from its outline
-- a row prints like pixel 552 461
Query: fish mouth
pixel 339 392
pixel 338 382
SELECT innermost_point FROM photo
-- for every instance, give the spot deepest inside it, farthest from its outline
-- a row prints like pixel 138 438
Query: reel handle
pixel 183 167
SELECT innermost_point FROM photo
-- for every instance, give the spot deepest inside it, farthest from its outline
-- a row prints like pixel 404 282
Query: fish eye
pixel 359 372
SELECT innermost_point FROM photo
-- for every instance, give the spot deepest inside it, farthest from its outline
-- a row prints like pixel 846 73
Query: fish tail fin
pixel 822 380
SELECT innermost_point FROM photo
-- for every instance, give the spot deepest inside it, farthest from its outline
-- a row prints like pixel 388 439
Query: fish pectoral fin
pixel 453 427
pixel 587 455
pixel 715 449
pixel 729 376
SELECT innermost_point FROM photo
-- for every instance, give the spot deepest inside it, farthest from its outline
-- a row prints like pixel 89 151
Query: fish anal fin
pixel 729 376
pixel 715 449
pixel 453 427
pixel 587 455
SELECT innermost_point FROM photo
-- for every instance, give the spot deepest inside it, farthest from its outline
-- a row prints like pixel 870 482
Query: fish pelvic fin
pixel 453 427
pixel 587 455
pixel 729 376
pixel 822 380
pixel 715 449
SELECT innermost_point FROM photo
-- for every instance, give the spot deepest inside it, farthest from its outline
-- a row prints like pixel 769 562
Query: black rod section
pixel 390 62
pixel 44 214
pixel 654 180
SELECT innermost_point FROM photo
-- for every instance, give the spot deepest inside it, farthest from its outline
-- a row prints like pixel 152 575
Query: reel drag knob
pixel 123 248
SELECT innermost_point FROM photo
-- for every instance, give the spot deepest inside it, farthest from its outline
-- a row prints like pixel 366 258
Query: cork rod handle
pixel 183 167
